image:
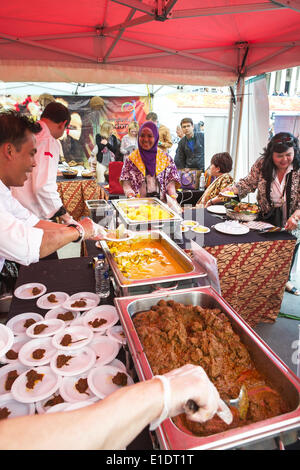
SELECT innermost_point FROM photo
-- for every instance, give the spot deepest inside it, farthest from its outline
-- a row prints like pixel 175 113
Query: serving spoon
pixel 241 403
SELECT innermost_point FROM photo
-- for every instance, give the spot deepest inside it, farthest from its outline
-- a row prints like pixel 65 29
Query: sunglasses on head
pixel 283 140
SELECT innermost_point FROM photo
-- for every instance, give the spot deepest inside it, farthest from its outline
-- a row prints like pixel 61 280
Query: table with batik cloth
pixel 74 193
pixel 253 268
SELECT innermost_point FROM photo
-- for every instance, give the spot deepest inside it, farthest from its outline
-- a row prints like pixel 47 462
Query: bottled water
pixel 102 283
pixel 202 182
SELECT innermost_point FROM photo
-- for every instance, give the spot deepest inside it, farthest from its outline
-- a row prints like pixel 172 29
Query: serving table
pixel 74 192
pixel 69 275
pixel 253 268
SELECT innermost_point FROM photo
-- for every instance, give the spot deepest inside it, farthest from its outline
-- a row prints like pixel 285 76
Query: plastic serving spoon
pixel 241 403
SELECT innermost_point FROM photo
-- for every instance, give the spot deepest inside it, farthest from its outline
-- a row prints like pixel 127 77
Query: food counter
pixel 76 275
pixel 253 267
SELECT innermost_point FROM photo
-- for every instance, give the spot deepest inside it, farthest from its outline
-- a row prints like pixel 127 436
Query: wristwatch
pixel 80 231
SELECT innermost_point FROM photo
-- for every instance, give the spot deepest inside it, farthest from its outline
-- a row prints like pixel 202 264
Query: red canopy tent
pixel 151 41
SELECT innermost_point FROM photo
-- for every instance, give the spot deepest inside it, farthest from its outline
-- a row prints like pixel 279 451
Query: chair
pixel 114 172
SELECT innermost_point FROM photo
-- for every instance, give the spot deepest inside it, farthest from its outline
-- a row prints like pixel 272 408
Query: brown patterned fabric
pixel 74 194
pixel 253 276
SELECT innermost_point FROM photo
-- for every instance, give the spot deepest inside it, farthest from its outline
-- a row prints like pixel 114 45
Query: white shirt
pixel 39 193
pixel 20 241
pixel 277 189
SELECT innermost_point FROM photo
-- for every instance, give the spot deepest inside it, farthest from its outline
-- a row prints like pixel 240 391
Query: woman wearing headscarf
pixel 148 171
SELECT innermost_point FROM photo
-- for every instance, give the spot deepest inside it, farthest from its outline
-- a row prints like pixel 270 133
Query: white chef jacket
pixel 20 241
pixel 39 193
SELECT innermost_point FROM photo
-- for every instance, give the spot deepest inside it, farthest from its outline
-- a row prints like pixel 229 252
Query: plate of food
pixel 68 316
pixel 73 337
pixel 11 408
pixel 200 229
pixel 217 209
pixel 105 380
pixel 52 300
pixel 75 389
pixel 45 328
pixel 243 211
pixel 119 234
pixel 75 362
pixel 228 194
pixel 12 355
pixel 6 339
pixel 82 301
pixel 8 374
pixel 53 400
pixel 37 352
pixel 35 384
pixel 189 223
pixel 19 323
pixel 232 227
pixel 31 290
pixel 101 318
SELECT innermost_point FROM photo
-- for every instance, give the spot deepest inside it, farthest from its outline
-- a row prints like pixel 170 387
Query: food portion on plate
pixel 244 211
pixel 200 229
pixel 118 234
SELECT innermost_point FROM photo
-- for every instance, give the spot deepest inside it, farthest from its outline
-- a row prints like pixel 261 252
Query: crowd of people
pixel 30 206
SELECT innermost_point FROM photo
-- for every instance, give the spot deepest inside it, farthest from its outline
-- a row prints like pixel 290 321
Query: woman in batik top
pixel 148 171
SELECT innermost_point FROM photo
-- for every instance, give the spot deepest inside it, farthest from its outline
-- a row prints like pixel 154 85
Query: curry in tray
pixel 141 258
pixel 173 334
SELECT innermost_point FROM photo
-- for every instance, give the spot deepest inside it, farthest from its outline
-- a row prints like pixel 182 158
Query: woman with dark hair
pixel 148 171
pixel 276 177
pixel 220 167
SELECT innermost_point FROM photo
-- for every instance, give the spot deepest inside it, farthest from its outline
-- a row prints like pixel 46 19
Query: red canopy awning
pixel 156 41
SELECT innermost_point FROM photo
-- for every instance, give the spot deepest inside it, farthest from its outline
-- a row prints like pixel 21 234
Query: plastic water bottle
pixel 102 283
pixel 202 182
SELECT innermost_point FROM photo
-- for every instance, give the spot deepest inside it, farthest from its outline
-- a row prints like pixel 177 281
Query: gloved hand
pixel 67 219
pixel 92 231
pixel 190 382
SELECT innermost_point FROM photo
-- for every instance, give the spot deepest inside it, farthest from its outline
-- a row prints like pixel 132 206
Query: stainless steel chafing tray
pixel 172 223
pixel 191 269
pixel 170 437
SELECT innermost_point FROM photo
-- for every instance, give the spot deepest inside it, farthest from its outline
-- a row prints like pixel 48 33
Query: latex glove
pixel 67 219
pixel 92 230
pixel 190 382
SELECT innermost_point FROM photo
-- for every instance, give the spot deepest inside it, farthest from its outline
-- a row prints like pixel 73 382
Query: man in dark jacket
pixel 190 150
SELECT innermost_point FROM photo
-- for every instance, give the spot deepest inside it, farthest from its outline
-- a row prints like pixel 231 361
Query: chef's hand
pixel 292 222
pixel 92 231
pixel 67 219
pixel 190 382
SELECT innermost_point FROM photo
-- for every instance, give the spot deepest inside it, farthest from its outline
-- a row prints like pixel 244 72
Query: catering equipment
pixel 101 212
pixel 148 213
pixel 254 435
pixel 190 269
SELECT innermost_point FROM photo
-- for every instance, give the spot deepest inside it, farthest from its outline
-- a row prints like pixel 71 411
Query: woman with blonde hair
pixel 104 151
pixel 165 140
pixel 130 141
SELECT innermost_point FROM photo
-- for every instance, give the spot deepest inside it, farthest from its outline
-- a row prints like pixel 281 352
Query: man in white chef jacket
pixel 24 237
pixel 39 193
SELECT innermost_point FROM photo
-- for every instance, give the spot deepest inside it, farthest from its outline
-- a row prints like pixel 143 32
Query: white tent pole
pixel 237 123
pixel 229 129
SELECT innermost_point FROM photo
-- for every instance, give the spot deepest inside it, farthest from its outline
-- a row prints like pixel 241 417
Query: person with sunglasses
pixel 276 177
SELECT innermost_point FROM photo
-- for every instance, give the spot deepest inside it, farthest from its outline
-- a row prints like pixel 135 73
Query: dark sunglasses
pixel 283 140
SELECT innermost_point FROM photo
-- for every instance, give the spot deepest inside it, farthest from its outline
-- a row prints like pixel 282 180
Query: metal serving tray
pixel 192 270
pixel 142 225
pixel 170 437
